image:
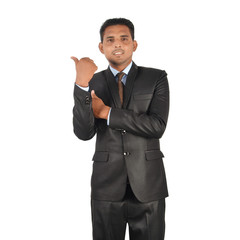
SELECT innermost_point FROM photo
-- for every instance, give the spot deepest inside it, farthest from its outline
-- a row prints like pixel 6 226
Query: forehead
pixel 116 30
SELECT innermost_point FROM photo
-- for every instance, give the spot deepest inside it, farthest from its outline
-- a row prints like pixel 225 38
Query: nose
pixel 117 44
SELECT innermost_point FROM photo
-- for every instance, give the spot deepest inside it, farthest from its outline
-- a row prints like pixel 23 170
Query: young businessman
pixel 127 107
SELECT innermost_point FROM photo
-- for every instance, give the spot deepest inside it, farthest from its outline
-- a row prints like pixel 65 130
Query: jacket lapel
pixel 113 88
pixel 129 84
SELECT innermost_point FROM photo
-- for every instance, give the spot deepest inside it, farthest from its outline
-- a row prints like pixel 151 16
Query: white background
pixel 45 170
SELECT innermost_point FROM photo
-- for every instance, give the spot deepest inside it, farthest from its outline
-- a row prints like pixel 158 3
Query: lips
pixel 118 52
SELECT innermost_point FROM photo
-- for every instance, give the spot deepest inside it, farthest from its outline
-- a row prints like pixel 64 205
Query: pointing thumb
pixel 75 60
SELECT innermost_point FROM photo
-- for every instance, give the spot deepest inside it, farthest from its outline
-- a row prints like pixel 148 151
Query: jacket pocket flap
pixel 100 157
pixel 142 96
pixel 153 154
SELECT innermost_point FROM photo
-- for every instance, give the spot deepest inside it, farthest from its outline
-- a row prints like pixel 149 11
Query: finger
pixel 87 59
pixel 74 59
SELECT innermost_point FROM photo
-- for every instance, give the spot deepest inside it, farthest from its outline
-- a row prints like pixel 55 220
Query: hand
pixel 100 110
pixel 85 68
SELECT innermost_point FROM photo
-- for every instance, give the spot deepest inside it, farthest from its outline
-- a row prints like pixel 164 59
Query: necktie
pixel 120 86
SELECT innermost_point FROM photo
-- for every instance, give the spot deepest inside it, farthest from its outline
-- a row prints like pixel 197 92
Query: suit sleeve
pixel 151 124
pixel 83 118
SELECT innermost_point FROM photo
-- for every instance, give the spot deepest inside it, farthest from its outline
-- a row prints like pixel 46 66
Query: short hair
pixel 117 21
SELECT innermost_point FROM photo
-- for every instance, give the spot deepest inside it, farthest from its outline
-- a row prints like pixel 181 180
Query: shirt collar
pixel 126 70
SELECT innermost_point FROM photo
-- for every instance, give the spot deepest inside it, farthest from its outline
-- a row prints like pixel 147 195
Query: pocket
pixel 100 157
pixel 153 155
pixel 142 96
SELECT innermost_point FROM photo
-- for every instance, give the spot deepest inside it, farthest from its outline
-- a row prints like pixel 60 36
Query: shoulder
pixel 98 78
pixel 153 72
pixel 98 75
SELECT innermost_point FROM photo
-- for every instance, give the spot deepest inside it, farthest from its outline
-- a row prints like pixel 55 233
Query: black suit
pixel 129 147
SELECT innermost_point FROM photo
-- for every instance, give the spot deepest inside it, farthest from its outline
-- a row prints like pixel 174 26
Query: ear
pixel 135 44
pixel 100 46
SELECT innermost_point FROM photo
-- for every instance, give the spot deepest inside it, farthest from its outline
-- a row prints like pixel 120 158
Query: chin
pixel 115 63
pixel 118 63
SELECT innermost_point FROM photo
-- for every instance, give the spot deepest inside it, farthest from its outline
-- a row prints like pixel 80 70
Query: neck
pixel 119 67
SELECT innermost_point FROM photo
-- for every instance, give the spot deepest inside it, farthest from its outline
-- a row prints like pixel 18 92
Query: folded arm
pixel 151 124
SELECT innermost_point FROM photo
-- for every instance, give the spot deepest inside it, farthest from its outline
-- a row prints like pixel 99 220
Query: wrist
pixel 82 85
pixel 106 112
pixel 81 82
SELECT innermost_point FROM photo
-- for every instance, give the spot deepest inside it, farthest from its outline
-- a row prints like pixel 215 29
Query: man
pixel 127 107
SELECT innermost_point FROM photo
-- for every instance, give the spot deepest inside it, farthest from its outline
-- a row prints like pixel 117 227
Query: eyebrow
pixel 120 36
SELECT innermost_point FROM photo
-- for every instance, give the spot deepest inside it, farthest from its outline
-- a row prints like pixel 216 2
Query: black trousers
pixel 146 221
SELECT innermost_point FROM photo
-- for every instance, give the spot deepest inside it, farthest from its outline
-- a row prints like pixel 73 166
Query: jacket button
pixel 87 100
pixel 126 153
pixel 123 132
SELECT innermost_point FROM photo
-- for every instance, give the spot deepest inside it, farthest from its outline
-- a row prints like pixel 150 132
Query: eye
pixel 109 40
pixel 124 39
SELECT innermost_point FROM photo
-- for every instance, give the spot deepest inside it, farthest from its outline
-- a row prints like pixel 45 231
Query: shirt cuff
pixel 108 119
pixel 83 88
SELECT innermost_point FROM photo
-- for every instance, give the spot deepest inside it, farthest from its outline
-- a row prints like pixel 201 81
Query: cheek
pixel 109 53
pixel 129 50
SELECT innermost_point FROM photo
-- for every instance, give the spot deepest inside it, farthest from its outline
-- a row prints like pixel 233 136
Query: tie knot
pixel 120 76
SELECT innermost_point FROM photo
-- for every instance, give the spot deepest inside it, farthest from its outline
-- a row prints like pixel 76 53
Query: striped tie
pixel 120 86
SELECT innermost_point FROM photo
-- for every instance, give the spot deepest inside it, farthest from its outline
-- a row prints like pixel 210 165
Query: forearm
pixel 83 118
pixel 150 126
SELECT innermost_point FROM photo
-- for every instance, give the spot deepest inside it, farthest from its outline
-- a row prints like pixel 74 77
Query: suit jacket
pixel 129 146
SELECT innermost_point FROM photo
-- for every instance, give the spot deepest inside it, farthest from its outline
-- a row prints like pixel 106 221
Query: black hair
pixel 117 21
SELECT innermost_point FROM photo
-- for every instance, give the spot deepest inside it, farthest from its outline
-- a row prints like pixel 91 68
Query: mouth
pixel 118 52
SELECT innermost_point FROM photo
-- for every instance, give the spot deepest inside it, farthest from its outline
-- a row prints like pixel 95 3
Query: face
pixel 118 46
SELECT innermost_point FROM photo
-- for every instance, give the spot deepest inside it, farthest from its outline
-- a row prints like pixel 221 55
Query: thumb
pixel 93 94
pixel 75 60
